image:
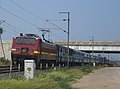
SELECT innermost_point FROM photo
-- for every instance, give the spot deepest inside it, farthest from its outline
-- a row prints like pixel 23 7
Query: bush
pixel 4 61
pixel 87 68
pixel 61 78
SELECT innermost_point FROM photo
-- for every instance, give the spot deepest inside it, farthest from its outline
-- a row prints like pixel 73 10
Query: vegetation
pixel 61 78
pixel 4 61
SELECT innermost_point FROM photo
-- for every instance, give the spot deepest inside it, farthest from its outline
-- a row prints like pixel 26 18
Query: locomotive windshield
pixel 25 40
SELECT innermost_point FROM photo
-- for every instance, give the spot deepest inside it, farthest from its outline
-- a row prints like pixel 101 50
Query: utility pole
pixel 68 13
pixel 1 32
pixel 92 48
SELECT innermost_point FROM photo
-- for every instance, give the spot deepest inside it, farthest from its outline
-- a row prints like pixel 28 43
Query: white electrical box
pixel 94 64
pixel 29 68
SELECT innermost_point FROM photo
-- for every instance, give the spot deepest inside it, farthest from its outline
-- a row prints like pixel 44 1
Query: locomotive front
pixel 25 47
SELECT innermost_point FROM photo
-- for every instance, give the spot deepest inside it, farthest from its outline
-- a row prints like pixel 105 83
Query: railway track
pixel 8 69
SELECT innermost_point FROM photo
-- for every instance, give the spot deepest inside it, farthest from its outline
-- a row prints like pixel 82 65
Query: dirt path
pixel 105 78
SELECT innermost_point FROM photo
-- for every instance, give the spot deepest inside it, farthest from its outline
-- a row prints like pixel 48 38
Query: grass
pixel 61 78
pixel 4 61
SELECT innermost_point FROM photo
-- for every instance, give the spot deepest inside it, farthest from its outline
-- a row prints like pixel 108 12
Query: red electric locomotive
pixel 31 46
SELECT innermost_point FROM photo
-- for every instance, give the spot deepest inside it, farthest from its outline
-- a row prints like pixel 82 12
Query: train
pixel 45 53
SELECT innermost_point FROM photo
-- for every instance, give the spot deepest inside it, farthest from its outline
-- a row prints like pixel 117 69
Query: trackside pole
pixel 29 69
pixel 59 65
pixel 10 68
pixel 46 65
pixel 41 66
pixel 19 67
pixel 53 65
pixel 94 64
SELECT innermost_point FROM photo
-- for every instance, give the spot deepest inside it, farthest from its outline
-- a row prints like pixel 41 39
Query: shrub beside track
pixel 61 78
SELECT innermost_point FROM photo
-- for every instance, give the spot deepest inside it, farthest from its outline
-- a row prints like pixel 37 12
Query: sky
pixel 88 18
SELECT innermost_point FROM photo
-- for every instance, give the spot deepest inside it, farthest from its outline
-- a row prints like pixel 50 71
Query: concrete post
pixel 94 64
pixel 29 69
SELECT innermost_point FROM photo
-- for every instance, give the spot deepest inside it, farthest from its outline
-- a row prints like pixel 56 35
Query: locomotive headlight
pixel 13 49
pixel 36 52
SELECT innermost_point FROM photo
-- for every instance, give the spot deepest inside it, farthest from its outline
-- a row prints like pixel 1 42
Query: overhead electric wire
pixel 58 36
pixel 31 14
pixel 12 27
pixel 56 26
pixel 25 9
pixel 38 16
pixel 18 17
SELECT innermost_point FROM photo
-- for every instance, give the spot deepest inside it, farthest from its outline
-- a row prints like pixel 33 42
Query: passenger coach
pixel 45 53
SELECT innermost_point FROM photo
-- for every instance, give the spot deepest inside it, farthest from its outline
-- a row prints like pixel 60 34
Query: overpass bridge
pixel 87 46
pixel 90 46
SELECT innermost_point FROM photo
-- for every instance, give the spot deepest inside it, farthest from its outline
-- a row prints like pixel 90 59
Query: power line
pixel 37 16
pixel 49 30
pixel 56 26
pixel 25 10
pixel 9 26
pixel 10 29
pixel 2 21
pixel 18 17
pixel 13 27
pixel 31 14
pixel 58 36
